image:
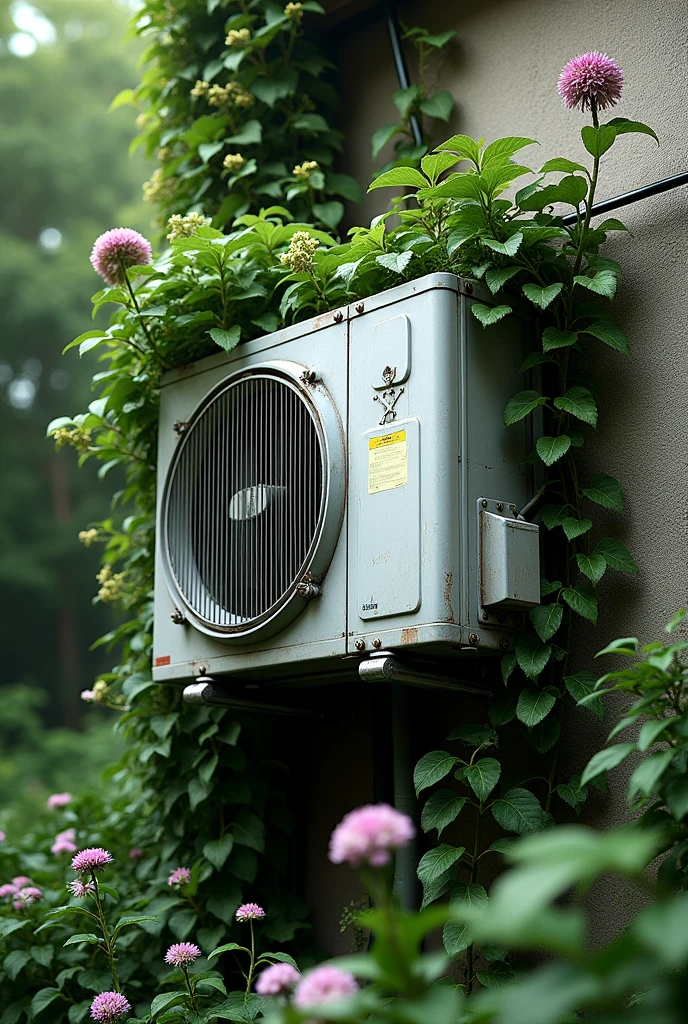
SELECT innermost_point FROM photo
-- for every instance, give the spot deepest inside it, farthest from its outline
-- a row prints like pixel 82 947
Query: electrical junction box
pixel 345 485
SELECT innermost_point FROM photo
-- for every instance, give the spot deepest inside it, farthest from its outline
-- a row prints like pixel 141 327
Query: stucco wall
pixel 502 71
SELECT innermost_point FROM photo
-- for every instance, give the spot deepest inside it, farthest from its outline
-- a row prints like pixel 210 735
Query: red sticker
pixel 164 660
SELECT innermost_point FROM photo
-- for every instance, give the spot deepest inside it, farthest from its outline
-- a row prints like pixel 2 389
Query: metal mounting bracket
pixel 387 667
pixel 209 691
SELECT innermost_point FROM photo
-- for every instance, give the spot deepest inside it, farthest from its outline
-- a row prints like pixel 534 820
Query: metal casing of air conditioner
pixel 344 485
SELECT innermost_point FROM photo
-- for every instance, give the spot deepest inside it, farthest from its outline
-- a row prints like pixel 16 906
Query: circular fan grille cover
pixel 245 497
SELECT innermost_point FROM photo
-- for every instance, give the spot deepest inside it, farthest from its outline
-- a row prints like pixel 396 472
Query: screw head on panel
pixel 474 639
pixel 202 669
pixel 359 307
pixel 360 645
pixel 499 506
pixel 469 288
pixel 513 509
pixel 338 316
pixel 484 503
pixel 377 644
pixel 178 617
pixel 504 644
pixel 484 616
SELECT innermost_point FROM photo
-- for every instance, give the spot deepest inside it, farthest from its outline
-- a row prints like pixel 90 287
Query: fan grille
pixel 244 502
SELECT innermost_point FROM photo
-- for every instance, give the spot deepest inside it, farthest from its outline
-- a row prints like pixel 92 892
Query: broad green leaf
pixel 616 555
pixel 435 862
pixel 440 105
pixel 545 734
pixel 281 958
pixel 503 149
pixel 227 340
pixel 431 768
pixel 532 655
pixel 603 283
pixel 126 922
pixel 622 126
pixel 441 808
pixel 503 707
pixel 534 705
pixel 554 515
pixel 582 600
pixel 228 947
pixel 461 185
pixel 606 491
pixel 43 998
pixel 560 163
pixel 468 896
pixel 605 760
pixel 650 731
pixel 406 177
pixel 542 296
pixel 509 247
pixel 249 830
pixel 534 359
pixel 382 136
pixel 627 645
pixel 647 775
pixel 395 261
pixel 579 403
pixel 553 338
pixel 496 975
pixel 474 735
pixel 483 776
pixel 15 961
pixel 551 449
pixel 464 146
pixel 582 685
pixel 521 405
pixel 437 163
pixel 593 566
pixel 496 277
pixel 208 149
pixel 576 527
pixel 86 937
pixel 607 332
pixel 570 190
pixel 488 315
pixel 405 98
pixel 598 140
pixel 518 811
pixel 546 619
pixel 166 1000
pixel 549 588
pixel 218 850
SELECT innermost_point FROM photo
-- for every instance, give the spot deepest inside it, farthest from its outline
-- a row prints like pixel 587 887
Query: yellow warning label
pixel 387 462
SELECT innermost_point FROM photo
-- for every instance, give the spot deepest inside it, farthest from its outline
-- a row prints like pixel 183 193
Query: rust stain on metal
pixel 409 635
pixel 448 582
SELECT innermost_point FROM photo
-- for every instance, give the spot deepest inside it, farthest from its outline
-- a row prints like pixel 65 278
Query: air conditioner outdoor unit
pixel 345 485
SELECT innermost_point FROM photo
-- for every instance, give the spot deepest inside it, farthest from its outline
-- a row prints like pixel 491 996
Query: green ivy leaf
pixel 553 338
pixel 554 515
pixel 579 403
pixel 249 830
pixel 534 359
pixel 228 947
pixel 571 190
pixel 560 163
pixel 582 685
pixel 532 655
pixel 488 315
pixel 395 261
pixel 218 850
pixel 508 248
pixel 432 768
pixel 549 588
pixel 598 140
pixel 166 1000
pixel 456 935
pixel 616 555
pixel 406 177
pixel 483 776
pixel 603 283
pixel 593 566
pixel 440 105
pixel 382 136
pixel 606 491
pixel 503 707
pixel 227 340
pixel 87 938
pixel 15 961
pixel 521 405
pixel 503 149
pixel 441 808
pixel 582 600
pixel 550 449
pixel 518 811
pixel 438 860
pixel 622 126
pixel 462 145
pixel 542 296
pixel 496 277
pixel 607 332
pixel 576 527
pixel 546 619
pixel 43 998
pixel 534 705
pixel 605 760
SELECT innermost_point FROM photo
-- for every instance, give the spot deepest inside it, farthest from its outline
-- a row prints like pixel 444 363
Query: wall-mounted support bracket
pixel 209 691
pixel 387 667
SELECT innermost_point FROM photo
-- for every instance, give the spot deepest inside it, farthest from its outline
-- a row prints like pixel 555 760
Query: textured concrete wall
pixel 502 71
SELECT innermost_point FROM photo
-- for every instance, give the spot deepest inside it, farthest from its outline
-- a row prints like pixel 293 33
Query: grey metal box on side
pixel 358 511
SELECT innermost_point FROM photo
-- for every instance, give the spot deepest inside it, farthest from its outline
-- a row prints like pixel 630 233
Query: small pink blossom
pixel 7 890
pixel 20 880
pixel 324 985
pixel 3 836
pixel 92 859
pixel 117 250
pixel 368 834
pixel 109 1007
pixel 29 894
pixel 81 889
pixel 182 954
pixel 59 800
pixel 135 854
pixel 62 845
pixel 249 912
pixel 591 79
pixel 88 695
pixel 277 980
pixel 180 876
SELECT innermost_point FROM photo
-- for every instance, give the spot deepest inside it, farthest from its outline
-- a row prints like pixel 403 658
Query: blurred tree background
pixel 66 177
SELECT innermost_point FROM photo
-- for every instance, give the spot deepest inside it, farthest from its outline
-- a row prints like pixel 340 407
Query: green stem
pixel 252 965
pixel 109 942
pixel 190 988
pixel 144 326
pixel 474 878
pixel 591 197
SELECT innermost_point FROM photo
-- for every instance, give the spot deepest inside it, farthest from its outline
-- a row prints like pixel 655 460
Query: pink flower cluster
pixel 81 889
pixel 277 980
pixel 64 842
pixel 117 250
pixel 249 912
pixel 591 79
pixel 59 800
pixel 21 892
pixel 95 858
pixel 324 985
pixel 109 1007
pixel 369 834
pixel 179 877
pixel 182 954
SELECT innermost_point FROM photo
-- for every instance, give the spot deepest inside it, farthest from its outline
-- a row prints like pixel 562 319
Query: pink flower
pixel 3 836
pixel 277 980
pixel 88 695
pixel 117 250
pixel 20 880
pixel 93 859
pixel 62 845
pixel 81 889
pixel 180 876
pixel 109 1007
pixel 59 800
pixel 135 854
pixel 29 894
pixel 7 890
pixel 591 78
pixel 368 834
pixel 182 954
pixel 324 985
pixel 249 912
